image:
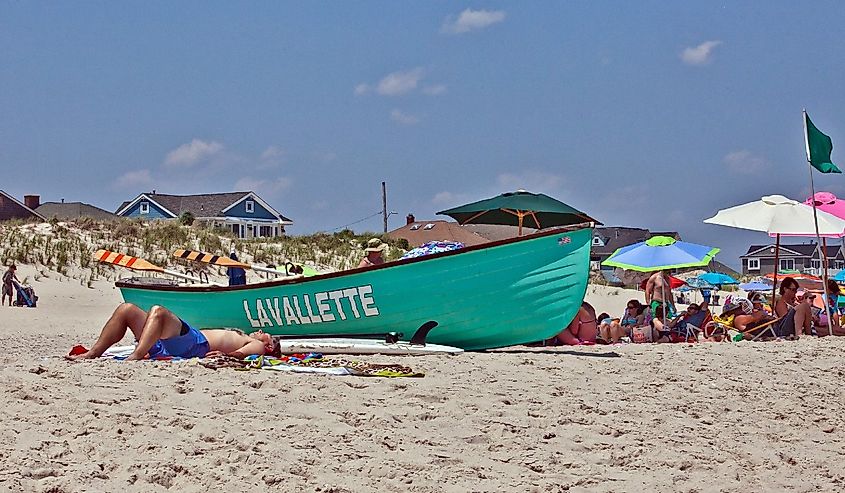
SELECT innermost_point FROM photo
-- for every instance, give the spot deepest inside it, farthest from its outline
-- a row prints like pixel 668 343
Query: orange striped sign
pixel 127 261
pixel 209 258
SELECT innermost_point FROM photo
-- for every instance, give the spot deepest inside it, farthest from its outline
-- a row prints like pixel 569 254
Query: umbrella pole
pixel 822 255
pixel 775 282
pixel 519 233
pixel 825 264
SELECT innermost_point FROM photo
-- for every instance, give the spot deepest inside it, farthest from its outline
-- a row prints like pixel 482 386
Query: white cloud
pixel 434 90
pixel 745 163
pixel 699 55
pixel 134 179
pixel 192 153
pixel 532 181
pixel 444 198
pixel 263 186
pixel 471 20
pixel 272 152
pixel 403 118
pixel 362 89
pixel 399 83
pixel 271 157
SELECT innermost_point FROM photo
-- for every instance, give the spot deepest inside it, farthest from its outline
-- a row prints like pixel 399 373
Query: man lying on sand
pixel 160 333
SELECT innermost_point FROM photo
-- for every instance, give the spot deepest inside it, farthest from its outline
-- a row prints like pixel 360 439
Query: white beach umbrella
pixel 778 215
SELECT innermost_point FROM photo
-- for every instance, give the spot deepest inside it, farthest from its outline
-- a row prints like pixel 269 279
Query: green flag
pixel 819 147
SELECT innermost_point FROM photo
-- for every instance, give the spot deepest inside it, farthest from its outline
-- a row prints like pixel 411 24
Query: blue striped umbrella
pixel 717 278
pixel 755 286
pixel 661 253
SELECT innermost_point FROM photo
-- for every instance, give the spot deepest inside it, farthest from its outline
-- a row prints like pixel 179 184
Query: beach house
pixel 804 257
pixel 12 208
pixel 72 210
pixel 417 232
pixel 244 213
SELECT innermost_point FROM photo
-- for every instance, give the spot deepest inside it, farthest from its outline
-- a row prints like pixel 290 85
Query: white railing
pixel 815 271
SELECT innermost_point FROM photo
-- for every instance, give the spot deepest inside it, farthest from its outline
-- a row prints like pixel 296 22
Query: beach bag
pixel 641 334
pixel 24 292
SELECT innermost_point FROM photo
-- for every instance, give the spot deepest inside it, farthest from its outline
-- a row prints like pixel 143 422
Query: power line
pixel 358 221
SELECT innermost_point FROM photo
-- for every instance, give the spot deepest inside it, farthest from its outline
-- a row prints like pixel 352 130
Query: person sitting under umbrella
pixel 795 314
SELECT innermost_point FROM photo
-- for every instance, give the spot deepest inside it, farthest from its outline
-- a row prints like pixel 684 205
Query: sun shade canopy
pixel 661 253
pixel 520 208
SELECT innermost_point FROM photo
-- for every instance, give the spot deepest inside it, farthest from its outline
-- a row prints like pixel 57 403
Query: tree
pixel 187 218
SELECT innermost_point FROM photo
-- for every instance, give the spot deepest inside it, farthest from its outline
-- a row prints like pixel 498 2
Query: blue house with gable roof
pixel 245 213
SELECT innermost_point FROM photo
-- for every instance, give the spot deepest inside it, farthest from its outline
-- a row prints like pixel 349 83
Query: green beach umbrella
pixel 520 208
pixel 661 253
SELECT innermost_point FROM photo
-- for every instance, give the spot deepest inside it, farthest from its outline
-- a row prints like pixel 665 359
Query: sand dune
pixel 683 417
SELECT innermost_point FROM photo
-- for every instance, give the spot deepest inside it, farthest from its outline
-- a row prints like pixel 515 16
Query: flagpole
pixel 827 310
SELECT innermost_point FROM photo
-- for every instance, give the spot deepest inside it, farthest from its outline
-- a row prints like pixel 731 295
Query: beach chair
pixel 721 330
pixel 695 325
pixel 25 295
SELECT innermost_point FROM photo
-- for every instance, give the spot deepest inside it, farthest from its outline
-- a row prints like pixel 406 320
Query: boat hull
pixel 493 295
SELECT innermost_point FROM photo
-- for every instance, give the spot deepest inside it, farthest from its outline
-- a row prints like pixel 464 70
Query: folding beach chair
pixel 719 329
pixel 25 295
pixel 696 324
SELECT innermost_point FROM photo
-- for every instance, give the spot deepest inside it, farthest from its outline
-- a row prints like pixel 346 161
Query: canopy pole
pixel 825 264
pixel 775 285
pixel 822 255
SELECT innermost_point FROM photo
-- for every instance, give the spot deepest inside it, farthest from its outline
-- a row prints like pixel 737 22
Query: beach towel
pixel 312 363
pixel 337 366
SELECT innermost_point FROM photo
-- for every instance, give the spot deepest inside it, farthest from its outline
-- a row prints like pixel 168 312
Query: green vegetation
pixel 67 248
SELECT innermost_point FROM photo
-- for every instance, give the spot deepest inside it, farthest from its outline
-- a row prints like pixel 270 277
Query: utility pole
pixel 384 204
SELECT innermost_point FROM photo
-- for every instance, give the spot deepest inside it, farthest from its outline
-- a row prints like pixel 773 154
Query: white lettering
pixel 323 307
pixel 336 296
pixel 315 319
pixel 312 308
pixel 274 311
pixel 290 317
pixel 367 303
pixel 252 322
pixel 350 294
pixel 302 318
pixel 263 319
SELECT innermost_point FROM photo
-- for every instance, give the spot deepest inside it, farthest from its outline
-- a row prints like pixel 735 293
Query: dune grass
pixel 67 248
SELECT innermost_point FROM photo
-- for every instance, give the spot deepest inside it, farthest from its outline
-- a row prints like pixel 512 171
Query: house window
pixel 415 227
pixel 145 208
pixel 429 226
pixel 816 264
pixel 840 264
pixel 597 241
pixel 787 264
pixel 250 206
pixel 754 264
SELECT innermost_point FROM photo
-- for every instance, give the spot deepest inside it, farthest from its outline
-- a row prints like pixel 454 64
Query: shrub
pixel 186 219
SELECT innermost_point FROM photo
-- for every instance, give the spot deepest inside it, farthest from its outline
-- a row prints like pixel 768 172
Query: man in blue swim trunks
pixel 160 333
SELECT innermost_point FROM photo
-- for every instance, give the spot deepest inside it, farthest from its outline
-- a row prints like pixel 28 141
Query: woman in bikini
pixel 581 331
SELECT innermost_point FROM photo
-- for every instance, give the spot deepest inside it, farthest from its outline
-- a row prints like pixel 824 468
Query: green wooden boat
pixel 497 294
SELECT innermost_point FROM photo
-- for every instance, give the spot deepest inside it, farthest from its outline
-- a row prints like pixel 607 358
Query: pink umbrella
pixel 826 201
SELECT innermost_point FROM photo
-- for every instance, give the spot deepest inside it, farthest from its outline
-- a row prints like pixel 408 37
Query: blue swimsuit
pixel 190 343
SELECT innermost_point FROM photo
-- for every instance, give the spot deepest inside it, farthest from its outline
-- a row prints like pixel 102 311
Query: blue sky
pixel 646 114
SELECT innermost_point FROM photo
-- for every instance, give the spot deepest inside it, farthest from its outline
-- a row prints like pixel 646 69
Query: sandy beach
pixel 637 417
